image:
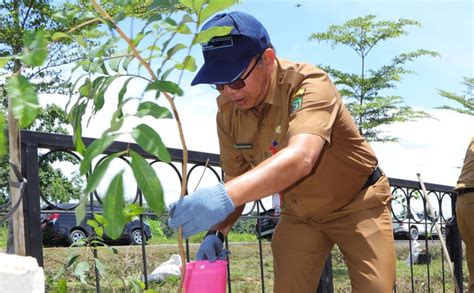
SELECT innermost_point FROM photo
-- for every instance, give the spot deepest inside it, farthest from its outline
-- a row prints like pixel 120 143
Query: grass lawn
pixel 124 267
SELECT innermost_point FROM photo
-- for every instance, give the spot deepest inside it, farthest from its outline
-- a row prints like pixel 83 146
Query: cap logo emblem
pixel 218 43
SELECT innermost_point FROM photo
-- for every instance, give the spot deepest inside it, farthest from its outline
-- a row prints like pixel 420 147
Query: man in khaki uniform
pixel 465 209
pixel 283 127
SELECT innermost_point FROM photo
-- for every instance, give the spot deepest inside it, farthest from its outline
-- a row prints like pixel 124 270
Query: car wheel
pixel 76 235
pixel 136 237
pixel 414 233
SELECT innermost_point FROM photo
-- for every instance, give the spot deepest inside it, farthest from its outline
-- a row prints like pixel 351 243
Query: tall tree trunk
pixel 14 150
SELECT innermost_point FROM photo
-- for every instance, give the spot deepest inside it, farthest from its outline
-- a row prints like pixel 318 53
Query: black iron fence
pixel 409 206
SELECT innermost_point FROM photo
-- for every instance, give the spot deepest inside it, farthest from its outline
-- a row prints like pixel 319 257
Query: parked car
pixel 266 226
pixel 60 228
pixel 414 226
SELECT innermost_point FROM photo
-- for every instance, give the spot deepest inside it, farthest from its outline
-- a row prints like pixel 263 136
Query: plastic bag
pixel 415 253
pixel 166 269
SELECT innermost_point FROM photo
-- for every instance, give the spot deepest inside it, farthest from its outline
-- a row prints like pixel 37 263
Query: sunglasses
pixel 240 82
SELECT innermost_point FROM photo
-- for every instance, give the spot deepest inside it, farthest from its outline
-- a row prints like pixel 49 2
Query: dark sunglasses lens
pixel 237 85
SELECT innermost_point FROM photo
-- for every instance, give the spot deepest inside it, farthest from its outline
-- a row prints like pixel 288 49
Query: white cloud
pixel 433 148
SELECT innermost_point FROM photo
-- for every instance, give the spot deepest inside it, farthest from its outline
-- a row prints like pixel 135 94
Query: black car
pixel 60 228
pixel 266 224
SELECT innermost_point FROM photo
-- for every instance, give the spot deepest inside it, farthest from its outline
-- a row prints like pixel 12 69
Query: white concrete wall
pixel 20 274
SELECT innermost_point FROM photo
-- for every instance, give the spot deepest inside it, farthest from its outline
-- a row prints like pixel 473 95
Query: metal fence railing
pixel 408 204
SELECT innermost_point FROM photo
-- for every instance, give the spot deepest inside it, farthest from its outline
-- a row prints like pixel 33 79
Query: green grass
pixel 126 266
pixel 3 237
pixel 245 268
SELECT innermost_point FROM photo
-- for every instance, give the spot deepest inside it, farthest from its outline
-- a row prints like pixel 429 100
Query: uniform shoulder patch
pixel 297 100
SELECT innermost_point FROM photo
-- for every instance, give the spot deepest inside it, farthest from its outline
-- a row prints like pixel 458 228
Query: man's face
pixel 257 82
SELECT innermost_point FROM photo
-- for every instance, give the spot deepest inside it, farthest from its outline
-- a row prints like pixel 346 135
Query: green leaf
pixel 35 47
pixel 113 208
pixel 80 40
pixel 175 49
pixel 154 110
pixel 80 271
pixel 85 90
pixel 187 3
pixel 81 210
pixel 198 4
pixel 4 61
pixel 71 259
pixel 93 223
pixel 3 145
pixel 214 6
pixel 75 118
pixel 148 183
pixel 122 91
pixel 165 86
pixel 100 232
pixel 24 100
pixel 99 97
pixel 99 218
pixel 205 35
pixel 60 286
pixel 149 140
pixel 132 210
pixel 126 62
pixel 169 4
pixel 188 64
pixel 100 267
pixel 98 173
pixel 114 62
pixel 59 35
pixel 96 148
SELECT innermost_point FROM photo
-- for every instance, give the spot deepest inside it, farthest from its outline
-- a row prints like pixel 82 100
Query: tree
pixel 466 100
pixel 31 67
pixel 152 54
pixel 363 92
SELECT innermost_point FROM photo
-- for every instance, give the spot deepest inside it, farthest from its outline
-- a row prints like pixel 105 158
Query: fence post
pixel 31 203
pixel 457 245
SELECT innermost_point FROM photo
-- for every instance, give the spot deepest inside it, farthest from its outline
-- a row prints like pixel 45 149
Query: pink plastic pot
pixel 205 277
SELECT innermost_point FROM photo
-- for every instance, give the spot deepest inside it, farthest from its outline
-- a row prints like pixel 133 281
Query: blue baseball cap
pixel 227 57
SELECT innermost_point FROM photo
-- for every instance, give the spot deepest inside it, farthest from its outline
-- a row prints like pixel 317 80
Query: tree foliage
pixel 466 100
pixel 157 51
pixel 31 65
pixel 363 92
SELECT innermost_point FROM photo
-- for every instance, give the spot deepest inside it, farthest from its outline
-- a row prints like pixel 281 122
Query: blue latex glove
pixel 211 249
pixel 200 210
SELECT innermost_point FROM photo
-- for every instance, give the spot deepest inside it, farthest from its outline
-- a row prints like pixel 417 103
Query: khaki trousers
pixel 301 246
pixel 465 220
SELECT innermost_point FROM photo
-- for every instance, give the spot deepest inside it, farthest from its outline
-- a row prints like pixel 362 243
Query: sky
pixel 435 148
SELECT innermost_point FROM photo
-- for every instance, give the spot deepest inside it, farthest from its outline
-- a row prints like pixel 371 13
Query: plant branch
pixel 176 115
pixel 86 23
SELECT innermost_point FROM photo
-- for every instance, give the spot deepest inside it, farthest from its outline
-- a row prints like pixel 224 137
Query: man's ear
pixel 268 58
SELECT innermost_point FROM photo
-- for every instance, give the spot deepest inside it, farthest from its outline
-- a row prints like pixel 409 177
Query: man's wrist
pixel 218 233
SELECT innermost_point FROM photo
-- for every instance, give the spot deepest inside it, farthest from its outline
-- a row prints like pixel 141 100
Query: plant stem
pixel 170 100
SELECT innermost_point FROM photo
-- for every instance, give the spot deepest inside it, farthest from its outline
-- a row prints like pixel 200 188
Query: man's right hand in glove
pixel 212 248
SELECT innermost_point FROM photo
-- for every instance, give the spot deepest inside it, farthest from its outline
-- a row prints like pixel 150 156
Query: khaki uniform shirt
pixel 466 179
pixel 301 99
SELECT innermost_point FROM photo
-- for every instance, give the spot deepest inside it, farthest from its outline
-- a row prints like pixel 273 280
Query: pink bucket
pixel 203 276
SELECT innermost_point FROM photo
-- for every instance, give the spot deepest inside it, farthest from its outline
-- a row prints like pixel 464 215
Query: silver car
pixel 414 226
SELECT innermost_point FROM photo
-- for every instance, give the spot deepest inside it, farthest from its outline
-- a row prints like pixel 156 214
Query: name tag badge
pixel 243 146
